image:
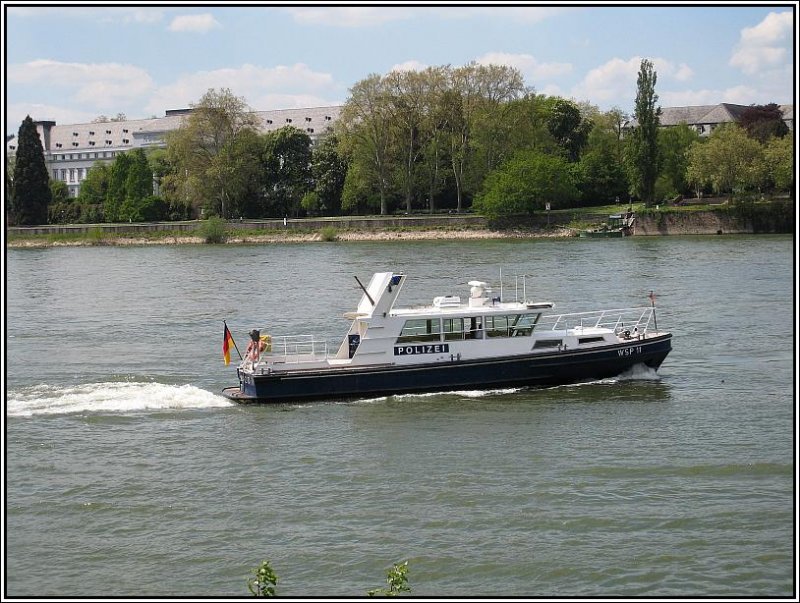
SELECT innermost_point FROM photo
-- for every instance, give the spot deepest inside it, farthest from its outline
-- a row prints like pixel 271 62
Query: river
pixel 127 474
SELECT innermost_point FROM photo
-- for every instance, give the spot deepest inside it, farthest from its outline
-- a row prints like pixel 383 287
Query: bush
pixel 328 233
pixel 213 230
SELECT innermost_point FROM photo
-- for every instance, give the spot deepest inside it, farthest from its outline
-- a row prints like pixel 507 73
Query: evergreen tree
pixel 30 194
pixel 643 149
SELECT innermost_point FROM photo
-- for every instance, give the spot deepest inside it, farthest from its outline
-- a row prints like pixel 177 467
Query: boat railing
pixel 297 348
pixel 619 320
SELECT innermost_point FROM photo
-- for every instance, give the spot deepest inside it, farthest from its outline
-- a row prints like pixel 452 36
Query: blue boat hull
pixel 555 368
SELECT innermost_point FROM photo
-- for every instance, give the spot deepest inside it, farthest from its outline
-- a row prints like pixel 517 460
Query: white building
pixel 71 150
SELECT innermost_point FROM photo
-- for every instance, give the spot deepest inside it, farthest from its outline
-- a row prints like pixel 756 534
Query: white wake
pixel 108 398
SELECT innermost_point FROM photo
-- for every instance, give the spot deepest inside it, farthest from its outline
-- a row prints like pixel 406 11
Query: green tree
pixel 138 187
pixel 779 159
pixel 674 144
pixel 365 124
pixel 643 156
pixel 117 192
pixel 525 184
pixel 62 209
pixel 568 128
pixel 328 171
pixel 202 153
pixel 474 91
pixel 30 193
pixel 95 186
pixel 286 163
pixel 729 160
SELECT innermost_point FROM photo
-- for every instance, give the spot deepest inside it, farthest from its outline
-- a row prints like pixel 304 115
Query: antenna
pixel 364 289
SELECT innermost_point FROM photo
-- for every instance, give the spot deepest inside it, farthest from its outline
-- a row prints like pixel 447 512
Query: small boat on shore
pixel 482 342
pixel 618 225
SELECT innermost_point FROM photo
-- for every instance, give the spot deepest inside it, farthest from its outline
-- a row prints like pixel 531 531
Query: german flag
pixel 227 342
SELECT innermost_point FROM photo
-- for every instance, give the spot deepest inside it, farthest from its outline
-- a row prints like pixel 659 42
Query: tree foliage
pixel 643 157
pixel 328 172
pixel 779 158
pixel 730 161
pixel 763 122
pixel 527 183
pixel 30 193
pixel 203 152
pixel 674 144
pixel 286 168
pixel 568 128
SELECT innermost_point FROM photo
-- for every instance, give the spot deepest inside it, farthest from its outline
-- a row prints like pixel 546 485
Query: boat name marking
pixel 410 350
pixel 630 351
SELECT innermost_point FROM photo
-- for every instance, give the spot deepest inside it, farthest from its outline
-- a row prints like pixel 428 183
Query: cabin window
pixel 546 343
pixel 582 340
pixel 511 325
pixel 453 328
pixel 420 329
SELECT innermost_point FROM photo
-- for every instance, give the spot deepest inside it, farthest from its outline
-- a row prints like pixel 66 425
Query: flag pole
pixel 652 297
pixel 233 340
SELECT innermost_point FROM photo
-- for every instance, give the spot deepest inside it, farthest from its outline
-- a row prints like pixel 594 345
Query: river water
pixel 128 475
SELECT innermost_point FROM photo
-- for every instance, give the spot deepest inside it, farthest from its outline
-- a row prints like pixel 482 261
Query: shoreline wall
pixel 780 219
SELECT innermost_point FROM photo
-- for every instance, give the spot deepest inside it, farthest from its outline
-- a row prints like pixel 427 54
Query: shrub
pixel 213 230
pixel 328 233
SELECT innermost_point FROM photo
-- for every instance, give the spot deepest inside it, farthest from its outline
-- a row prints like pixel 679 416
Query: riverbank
pixel 39 241
pixel 402 228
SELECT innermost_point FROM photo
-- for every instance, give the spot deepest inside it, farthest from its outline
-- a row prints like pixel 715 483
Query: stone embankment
pixel 394 228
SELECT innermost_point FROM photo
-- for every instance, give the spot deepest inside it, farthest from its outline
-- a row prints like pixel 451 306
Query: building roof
pixel 707 114
pixel 122 134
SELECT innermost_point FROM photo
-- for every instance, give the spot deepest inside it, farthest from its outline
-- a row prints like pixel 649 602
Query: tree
pixel 674 144
pixel 763 122
pixel 202 155
pixel 643 147
pixel 779 158
pixel 116 193
pixel 474 90
pixel 365 122
pixel 525 184
pixel 94 188
pixel 568 128
pixel 328 171
pixel 138 188
pixel 62 208
pixel 30 193
pixel 729 160
pixel 286 162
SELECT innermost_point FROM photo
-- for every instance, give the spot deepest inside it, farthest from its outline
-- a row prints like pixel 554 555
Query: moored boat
pixel 618 225
pixel 481 342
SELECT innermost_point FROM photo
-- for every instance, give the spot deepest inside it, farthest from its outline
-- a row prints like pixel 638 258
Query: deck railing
pixel 620 320
pixel 296 348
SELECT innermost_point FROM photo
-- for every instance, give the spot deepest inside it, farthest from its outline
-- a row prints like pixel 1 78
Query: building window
pixel 91 132
pixel 74 133
pixel 55 174
pixel 310 130
pixel 288 120
pixel 308 119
